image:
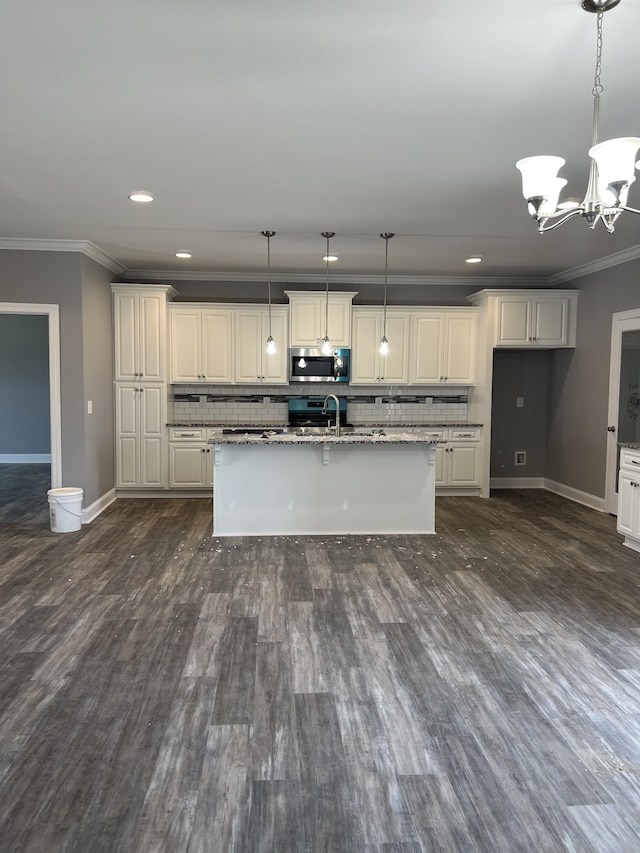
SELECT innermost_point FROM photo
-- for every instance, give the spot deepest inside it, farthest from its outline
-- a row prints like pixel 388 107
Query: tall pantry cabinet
pixel 141 373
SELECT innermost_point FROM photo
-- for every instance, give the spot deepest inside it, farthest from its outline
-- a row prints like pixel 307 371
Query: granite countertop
pixel 349 438
pixel 633 445
pixel 214 425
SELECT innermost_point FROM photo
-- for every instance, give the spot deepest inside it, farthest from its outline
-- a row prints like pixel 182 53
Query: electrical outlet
pixel 519 402
pixel 378 401
pixel 429 401
pixel 521 457
pixel 266 400
pixel 89 407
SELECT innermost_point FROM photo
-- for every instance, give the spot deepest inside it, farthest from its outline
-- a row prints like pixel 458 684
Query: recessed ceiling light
pixel 474 259
pixel 183 254
pixel 330 258
pixel 141 196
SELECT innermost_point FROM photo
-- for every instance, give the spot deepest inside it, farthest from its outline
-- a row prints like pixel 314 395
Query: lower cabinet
pixel 190 459
pixel 629 497
pixel 141 435
pixel 458 458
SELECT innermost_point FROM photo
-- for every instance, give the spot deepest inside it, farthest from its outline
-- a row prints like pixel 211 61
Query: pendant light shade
pixel 271 344
pixel 384 343
pixel 326 342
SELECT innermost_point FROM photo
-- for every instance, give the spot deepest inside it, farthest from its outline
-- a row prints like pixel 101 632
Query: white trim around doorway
pixel 55 406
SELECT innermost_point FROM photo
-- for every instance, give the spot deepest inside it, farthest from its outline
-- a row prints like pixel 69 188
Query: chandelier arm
pixel 542 228
pixel 628 209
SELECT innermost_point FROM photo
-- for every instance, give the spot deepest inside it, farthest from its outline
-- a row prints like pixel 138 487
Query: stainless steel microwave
pixel 308 364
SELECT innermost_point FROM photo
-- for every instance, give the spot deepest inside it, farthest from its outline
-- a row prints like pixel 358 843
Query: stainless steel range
pixel 305 415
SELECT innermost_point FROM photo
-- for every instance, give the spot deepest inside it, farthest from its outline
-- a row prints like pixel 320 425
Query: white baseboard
pixel 569 492
pixel 25 458
pixel 517 483
pixel 575 495
pixel 94 510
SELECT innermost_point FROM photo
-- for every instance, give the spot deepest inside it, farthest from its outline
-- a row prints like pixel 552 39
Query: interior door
pixel 624 396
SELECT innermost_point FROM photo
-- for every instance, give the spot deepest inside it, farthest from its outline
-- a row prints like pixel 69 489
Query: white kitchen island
pixel 291 484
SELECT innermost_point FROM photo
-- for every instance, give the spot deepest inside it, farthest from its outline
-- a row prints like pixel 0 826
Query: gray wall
pixel 579 381
pixel 519 373
pixel 24 384
pixel 97 336
pixel 57 278
pixel 367 294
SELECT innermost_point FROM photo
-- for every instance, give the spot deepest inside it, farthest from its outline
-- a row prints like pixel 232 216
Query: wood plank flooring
pixel 163 690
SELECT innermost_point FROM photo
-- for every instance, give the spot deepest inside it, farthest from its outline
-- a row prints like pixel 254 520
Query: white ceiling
pixel 358 117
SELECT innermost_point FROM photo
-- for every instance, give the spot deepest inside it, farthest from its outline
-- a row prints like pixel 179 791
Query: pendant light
pixel 271 344
pixel 384 343
pixel 326 343
pixel 611 165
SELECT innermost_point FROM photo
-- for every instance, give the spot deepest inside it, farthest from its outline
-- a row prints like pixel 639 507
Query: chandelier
pixel 611 170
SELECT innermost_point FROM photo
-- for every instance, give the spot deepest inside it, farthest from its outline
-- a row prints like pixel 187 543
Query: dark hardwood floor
pixel 477 690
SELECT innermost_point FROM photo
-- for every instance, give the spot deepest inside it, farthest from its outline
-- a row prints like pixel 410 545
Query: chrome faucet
pixel 324 411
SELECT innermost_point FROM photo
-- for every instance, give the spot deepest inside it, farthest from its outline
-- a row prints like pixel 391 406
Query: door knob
pixel 611 429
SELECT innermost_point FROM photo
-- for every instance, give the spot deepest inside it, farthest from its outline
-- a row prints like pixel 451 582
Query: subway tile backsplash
pixel 267 405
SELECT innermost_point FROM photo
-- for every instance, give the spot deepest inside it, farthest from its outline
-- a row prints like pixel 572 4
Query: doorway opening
pixel 27 450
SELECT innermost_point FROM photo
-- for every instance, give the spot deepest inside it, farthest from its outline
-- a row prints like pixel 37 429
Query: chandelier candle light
pixel 384 343
pixel 611 170
pixel 271 344
pixel 326 343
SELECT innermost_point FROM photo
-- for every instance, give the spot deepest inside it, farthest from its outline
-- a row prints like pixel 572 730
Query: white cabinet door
pixel 550 321
pixel 252 362
pixel 187 466
pixel 427 337
pixel 152 335
pixel 514 321
pixel 365 356
pixel 275 367
pixel 127 435
pixel 125 324
pixel 441 458
pixel 248 344
pixel 368 367
pixel 628 499
pixel 532 321
pixel 308 319
pixel 459 358
pixel 186 342
pixel 217 339
pixel 153 442
pixel 463 465
pixel 139 333
pixel 201 345
pixel 307 322
pixel 140 435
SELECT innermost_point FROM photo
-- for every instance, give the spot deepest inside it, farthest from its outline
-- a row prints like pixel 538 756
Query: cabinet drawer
pixel 464 434
pixel 187 434
pixel 435 434
pixel 630 458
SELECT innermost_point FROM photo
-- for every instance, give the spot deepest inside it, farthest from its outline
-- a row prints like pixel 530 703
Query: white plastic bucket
pixel 65 509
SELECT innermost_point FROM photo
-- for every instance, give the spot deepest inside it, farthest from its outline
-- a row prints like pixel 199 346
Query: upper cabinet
pixel 252 363
pixel 201 344
pixel 523 319
pixel 443 347
pixel 140 330
pixel 368 367
pixel 308 321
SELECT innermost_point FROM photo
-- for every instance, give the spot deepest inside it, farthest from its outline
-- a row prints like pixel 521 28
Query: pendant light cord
pixel 386 236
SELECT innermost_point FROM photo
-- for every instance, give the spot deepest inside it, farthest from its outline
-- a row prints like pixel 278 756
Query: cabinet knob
pixel 611 429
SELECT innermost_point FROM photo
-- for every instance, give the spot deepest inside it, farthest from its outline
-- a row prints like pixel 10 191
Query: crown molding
pixel 90 250
pixel 631 254
pixel 336 278
pixel 84 247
